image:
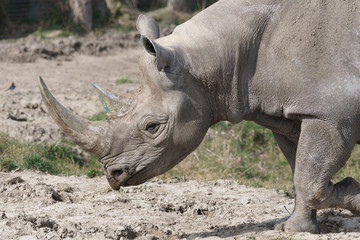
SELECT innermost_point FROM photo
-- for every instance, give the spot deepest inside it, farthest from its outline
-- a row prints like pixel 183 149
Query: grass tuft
pixel 36 162
pixel 94 172
pixel 60 158
pixel 97 116
pixel 123 81
pixel 7 165
pixel 122 28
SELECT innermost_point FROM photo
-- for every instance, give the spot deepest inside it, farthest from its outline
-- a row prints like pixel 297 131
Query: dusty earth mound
pixel 31 48
pixel 38 206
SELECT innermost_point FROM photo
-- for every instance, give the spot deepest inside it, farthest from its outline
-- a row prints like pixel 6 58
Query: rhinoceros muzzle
pixel 120 178
pixel 116 182
pixel 117 178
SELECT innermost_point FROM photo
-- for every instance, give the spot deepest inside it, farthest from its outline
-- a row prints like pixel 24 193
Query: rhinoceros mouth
pixel 135 179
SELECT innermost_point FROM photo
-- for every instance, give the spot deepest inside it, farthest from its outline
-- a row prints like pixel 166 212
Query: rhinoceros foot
pixel 298 224
pixel 355 212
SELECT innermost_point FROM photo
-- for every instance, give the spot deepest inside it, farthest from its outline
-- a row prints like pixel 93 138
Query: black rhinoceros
pixel 291 66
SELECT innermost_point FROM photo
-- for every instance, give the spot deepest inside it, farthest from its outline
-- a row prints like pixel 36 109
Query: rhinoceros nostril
pixel 117 173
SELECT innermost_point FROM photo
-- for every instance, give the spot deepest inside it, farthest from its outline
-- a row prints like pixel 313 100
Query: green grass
pixel 123 81
pixel 71 29
pixel 97 116
pixel 121 28
pixel 94 172
pixel 352 167
pixel 59 158
pixel 246 153
pixel 37 162
pixel 7 165
pixel 243 152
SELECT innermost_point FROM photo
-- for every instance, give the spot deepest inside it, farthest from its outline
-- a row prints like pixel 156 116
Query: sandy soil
pixel 39 206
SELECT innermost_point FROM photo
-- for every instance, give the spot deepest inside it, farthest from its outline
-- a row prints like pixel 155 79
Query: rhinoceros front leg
pixel 322 150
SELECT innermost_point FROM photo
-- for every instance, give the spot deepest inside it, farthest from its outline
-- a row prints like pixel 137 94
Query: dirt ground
pixel 39 206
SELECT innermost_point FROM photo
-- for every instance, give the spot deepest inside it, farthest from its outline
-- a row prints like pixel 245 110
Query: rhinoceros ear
pixel 164 55
pixel 147 27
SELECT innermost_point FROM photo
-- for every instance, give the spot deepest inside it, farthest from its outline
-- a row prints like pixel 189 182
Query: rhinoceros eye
pixel 152 127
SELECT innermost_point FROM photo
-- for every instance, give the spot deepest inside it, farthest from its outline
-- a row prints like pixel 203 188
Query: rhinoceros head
pixel 148 133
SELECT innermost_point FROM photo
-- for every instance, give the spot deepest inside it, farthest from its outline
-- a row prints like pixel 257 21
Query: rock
pixel 15 180
pixel 56 196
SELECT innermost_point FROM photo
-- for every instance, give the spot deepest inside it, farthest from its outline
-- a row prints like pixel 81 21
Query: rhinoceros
pixel 291 66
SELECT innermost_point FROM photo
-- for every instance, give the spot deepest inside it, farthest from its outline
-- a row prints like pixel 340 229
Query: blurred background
pixel 21 17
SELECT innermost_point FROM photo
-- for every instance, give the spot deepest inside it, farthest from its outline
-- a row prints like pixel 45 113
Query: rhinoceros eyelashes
pixel 116 105
pixel 152 127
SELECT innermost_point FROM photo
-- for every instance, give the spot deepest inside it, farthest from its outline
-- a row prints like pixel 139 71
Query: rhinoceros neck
pixel 220 45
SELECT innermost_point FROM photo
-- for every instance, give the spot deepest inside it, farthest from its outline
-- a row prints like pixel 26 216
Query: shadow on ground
pixel 231 231
pixel 331 221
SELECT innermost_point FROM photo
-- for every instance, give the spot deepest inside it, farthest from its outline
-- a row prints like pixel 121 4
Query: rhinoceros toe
pixel 298 225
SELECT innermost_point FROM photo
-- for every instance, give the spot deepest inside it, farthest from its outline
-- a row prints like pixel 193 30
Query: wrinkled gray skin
pixel 291 66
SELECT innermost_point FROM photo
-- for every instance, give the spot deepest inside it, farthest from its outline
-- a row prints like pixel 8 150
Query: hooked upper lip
pixel 117 173
pixel 120 175
pixel 119 178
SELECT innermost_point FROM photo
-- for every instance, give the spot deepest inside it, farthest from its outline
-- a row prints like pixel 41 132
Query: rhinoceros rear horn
pixel 86 134
pixel 116 104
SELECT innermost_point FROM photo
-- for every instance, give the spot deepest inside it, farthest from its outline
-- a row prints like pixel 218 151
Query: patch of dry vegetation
pixel 246 153
pixel 60 158
pixel 243 152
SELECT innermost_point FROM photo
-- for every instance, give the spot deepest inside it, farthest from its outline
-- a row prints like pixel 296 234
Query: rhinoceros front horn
pixel 85 133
